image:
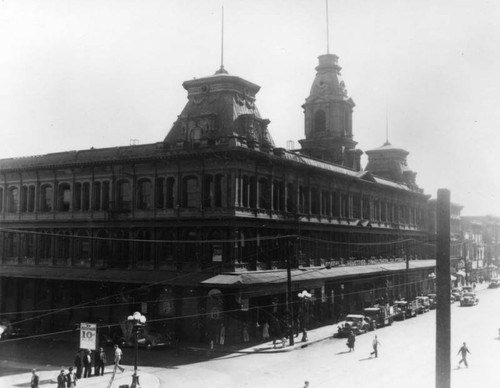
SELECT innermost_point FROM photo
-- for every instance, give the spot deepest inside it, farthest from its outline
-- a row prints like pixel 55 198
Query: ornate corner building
pixel 199 228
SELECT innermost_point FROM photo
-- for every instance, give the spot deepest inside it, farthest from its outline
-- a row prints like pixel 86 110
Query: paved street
pixel 406 358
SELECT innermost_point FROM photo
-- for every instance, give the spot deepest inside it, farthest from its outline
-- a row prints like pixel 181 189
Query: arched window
pixel 31 199
pixel 218 189
pixel 23 204
pixel 170 193
pixel 96 196
pixel 291 205
pixel 124 195
pixel 190 192
pixel 86 196
pixel 208 187
pixel 105 195
pixel 63 197
pixel 77 200
pixel 144 194
pixel 12 199
pixel 160 193
pixel 46 198
pixel 264 194
pixel 244 191
pixel 319 121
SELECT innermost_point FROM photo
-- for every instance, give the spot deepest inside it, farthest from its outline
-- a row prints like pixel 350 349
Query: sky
pixel 76 74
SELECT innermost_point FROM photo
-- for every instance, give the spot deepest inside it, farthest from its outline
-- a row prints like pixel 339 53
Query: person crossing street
pixel 463 350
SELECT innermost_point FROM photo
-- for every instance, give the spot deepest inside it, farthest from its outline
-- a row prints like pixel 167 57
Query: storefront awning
pixel 312 274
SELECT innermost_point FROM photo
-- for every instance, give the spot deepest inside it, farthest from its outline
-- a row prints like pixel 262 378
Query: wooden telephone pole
pixel 443 362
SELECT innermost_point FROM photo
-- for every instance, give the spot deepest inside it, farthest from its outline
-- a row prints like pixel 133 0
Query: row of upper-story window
pixel 206 191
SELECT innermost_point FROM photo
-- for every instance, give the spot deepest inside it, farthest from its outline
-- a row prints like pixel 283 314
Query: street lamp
pixel 138 321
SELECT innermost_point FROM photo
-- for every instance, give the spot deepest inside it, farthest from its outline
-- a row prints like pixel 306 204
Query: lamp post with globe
pixel 138 321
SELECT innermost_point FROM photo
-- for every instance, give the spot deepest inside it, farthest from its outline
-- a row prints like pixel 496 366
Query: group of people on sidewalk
pixel 84 360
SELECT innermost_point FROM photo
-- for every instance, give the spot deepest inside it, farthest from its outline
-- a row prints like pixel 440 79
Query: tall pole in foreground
pixel 443 362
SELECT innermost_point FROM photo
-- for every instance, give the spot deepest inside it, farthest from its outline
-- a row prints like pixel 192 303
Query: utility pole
pixel 289 298
pixel 443 363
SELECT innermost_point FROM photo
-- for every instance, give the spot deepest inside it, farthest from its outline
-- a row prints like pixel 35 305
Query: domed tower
pixel 390 162
pixel 220 110
pixel 328 117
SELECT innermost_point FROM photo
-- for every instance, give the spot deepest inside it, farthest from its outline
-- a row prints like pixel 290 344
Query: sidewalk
pixel 48 378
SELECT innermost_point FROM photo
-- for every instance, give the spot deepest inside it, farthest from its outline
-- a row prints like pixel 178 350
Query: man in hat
pixel 34 379
pixel 100 362
pixel 61 379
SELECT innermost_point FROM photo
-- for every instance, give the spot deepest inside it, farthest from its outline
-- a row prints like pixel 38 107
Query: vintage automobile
pixel 7 330
pixel 456 293
pixel 469 299
pixel 423 304
pixel 467 289
pixel 494 283
pixel 380 315
pixel 123 335
pixel 357 323
pixel 408 308
pixel 432 301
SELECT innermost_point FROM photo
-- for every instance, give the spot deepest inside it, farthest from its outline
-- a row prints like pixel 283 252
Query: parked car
pixel 467 289
pixel 432 301
pixel 469 299
pixel 7 330
pixel 124 335
pixel 409 308
pixel 355 322
pixel 380 315
pixel 423 304
pixel 494 283
pixel 456 293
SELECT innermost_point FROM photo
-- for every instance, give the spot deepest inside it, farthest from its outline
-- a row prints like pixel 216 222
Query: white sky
pixel 76 74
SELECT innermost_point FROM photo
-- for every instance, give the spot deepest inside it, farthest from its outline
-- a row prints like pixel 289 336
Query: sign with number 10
pixel 88 336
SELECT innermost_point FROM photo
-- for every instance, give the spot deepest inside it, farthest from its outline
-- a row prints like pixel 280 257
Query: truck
pixel 380 315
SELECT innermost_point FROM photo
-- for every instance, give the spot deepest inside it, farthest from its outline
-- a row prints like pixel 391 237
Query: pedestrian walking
pixel 463 350
pixel 351 340
pixel 61 379
pixel 71 378
pixel 375 344
pixel 246 337
pixel 35 380
pixel 87 363
pixel 265 331
pixel 100 362
pixel 306 384
pixel 222 334
pixel 118 357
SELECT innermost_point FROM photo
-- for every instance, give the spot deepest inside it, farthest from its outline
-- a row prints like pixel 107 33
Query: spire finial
pixel 327 30
pixel 222 70
pixel 387 126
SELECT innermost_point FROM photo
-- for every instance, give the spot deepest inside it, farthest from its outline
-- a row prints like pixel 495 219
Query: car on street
pixel 432 301
pixel 408 309
pixel 423 304
pixel 7 330
pixel 469 299
pixel 494 283
pixel 357 323
pixel 456 293
pixel 380 315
